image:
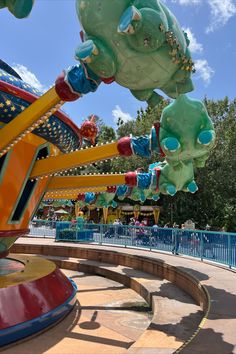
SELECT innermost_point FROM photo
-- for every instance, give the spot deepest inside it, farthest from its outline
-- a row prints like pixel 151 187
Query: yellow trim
pixel 78 190
pixel 4 166
pixel 35 268
pixel 84 181
pixel 72 194
pixel 74 159
pixel 61 197
pixel 26 119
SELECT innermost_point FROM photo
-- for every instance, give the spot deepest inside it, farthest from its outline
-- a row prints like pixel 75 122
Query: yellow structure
pixel 82 157
pixel 28 162
pixel 36 114
pixel 105 214
pixel 156 213
pixel 85 181
pixel 29 167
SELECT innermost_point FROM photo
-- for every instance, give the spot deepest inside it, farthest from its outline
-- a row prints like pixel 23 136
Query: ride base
pixel 34 294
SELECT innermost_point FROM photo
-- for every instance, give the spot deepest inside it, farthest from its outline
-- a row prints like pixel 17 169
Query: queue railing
pixel 216 246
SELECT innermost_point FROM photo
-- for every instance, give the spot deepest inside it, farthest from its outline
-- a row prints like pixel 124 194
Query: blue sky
pixel 44 44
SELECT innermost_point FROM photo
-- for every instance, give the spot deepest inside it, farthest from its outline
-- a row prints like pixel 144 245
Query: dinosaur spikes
pixel 170 189
pixel 192 187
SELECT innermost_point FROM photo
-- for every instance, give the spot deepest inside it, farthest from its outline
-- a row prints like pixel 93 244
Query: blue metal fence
pixel 217 246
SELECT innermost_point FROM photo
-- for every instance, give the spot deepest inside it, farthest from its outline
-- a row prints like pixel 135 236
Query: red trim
pixel 111 189
pixel 157 127
pixel 108 80
pixel 81 197
pixel 124 146
pixel 82 35
pixel 63 89
pixel 29 300
pixel 131 179
pixel 14 233
pixel 29 97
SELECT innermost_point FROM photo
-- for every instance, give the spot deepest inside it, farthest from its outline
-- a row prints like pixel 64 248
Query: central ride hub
pixel 34 294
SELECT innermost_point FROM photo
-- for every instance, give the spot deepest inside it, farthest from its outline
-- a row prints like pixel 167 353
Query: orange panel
pixel 18 165
pixel 34 200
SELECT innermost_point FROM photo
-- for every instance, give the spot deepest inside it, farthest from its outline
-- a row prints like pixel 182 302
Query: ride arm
pixel 69 86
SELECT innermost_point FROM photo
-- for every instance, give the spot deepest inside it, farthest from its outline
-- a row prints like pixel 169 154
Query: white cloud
pixel 221 12
pixel 194 46
pixel 188 2
pixel 118 113
pixel 203 70
pixel 28 77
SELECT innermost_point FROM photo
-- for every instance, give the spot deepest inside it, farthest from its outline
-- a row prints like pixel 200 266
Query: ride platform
pixel 34 295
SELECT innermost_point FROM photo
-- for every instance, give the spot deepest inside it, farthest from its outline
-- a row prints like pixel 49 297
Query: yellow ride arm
pixel 85 181
pixel 37 113
pixel 74 159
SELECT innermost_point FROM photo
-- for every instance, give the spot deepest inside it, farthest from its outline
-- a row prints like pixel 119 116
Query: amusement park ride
pixel 141 46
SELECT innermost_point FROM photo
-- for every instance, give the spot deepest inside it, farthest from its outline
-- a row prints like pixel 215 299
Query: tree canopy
pixel 215 201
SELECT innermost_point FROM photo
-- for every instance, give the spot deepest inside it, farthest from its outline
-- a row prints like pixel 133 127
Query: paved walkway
pixel 218 335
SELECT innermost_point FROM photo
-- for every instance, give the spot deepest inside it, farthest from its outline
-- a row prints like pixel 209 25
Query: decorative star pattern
pixel 55 131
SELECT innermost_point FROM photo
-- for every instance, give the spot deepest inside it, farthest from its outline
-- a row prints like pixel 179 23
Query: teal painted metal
pixel 219 247
pixel 229 251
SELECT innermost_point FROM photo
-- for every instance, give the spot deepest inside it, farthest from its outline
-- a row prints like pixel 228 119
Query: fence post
pixel 101 234
pixel 125 233
pixel 132 235
pixel 230 251
pixel 175 239
pixel 150 239
pixel 201 246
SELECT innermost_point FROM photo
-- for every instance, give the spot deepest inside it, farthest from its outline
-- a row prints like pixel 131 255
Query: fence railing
pixel 217 246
